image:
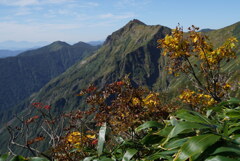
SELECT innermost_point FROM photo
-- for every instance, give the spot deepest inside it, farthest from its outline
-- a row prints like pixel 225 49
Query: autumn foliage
pixel 124 107
pixel 192 54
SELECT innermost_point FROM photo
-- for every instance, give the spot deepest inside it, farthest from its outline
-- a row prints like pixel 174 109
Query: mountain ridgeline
pixel 130 50
pixel 29 71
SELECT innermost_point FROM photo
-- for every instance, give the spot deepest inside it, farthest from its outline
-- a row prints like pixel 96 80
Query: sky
pixel 92 20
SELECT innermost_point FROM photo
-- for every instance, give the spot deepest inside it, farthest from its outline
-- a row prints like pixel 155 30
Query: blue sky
pixel 88 20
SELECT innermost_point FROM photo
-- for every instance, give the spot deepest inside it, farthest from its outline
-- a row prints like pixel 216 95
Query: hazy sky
pixel 87 20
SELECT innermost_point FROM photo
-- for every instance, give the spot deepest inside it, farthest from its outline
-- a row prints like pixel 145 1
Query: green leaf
pixel 175 143
pixel 128 143
pixel 232 113
pixel 231 101
pixel 225 128
pixel 151 139
pixel 165 131
pixel 233 130
pixel 169 152
pixel 149 124
pixel 195 146
pixel 220 158
pixel 101 139
pixel 88 158
pixel 129 154
pixel 4 157
pixel 226 149
pixel 162 155
pixel 38 159
pixel 156 156
pixel 104 158
pixel 182 126
pixel 18 158
pixel 193 117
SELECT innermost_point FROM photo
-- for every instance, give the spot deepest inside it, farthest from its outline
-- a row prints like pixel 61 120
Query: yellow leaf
pixel 135 101
pixel 195 39
pixel 232 45
pixel 91 136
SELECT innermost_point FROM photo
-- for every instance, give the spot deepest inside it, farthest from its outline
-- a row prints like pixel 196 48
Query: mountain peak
pixel 206 30
pixel 81 44
pixel 132 30
pixel 57 45
pixel 135 22
pixel 61 43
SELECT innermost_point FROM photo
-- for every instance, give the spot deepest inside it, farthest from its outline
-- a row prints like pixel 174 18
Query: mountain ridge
pixel 28 72
pixel 110 62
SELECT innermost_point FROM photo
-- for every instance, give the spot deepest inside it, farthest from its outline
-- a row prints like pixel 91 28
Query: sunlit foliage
pixel 192 53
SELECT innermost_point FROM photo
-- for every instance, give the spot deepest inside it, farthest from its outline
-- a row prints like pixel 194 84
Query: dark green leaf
pixel 192 117
pixel 219 158
pixel 226 149
pixel 149 124
pixel 162 155
pixel 231 101
pixel 232 113
pixel 195 146
pixel 230 131
pixel 151 139
pixel 104 158
pixel 175 143
pixel 180 127
pixel 18 158
pixel 165 131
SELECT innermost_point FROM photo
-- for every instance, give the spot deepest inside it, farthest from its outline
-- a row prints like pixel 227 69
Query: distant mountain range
pixel 7 53
pixel 95 43
pixel 13 48
pixel 26 73
pixel 206 30
pixel 129 50
pixel 25 45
